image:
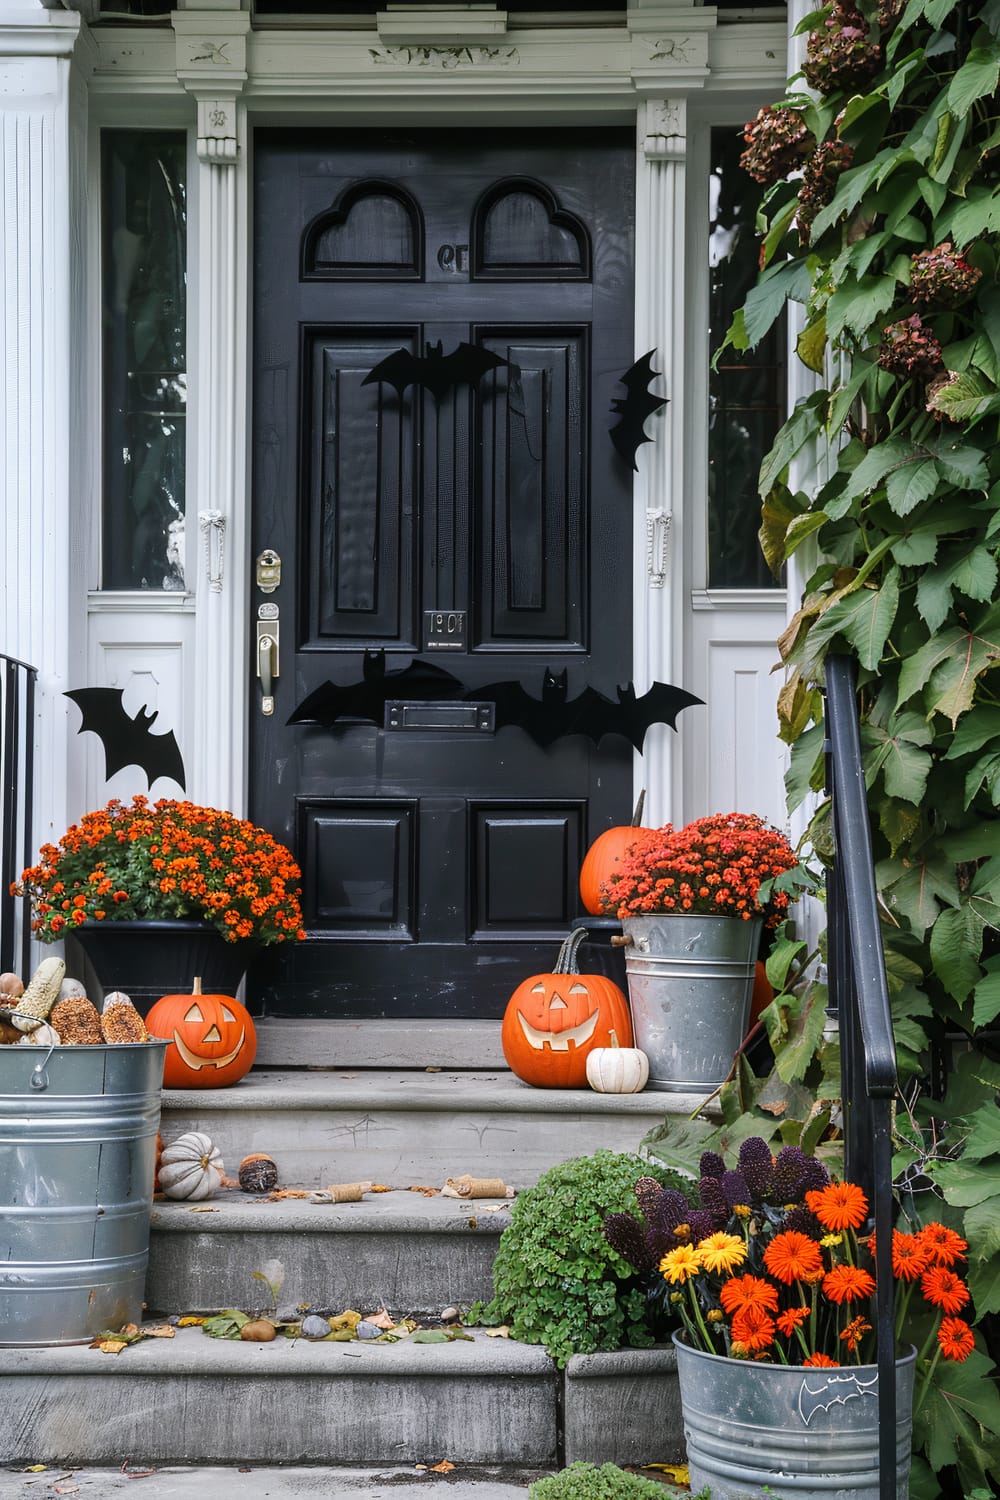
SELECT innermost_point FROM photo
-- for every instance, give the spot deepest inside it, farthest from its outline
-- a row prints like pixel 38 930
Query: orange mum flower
pixel 944 1289
pixel 748 1291
pixel 847 1284
pixel 944 1245
pixel 956 1339
pixel 822 1362
pixel 911 1256
pixel 839 1205
pixel 753 1328
pixel 790 1319
pixel 792 1256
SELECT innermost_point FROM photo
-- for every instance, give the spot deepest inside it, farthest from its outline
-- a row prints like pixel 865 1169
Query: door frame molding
pixel 225 78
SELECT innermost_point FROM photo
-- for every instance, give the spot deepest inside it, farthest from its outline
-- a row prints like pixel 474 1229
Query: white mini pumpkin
pixel 617 1070
pixel 42 1036
pixel 191 1167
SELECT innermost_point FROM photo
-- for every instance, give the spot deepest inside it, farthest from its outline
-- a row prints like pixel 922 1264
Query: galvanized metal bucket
pixel 760 1430
pixel 77 1154
pixel 690 984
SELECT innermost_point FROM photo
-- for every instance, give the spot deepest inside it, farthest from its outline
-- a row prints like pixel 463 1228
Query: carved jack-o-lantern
pixel 552 1021
pixel 212 1039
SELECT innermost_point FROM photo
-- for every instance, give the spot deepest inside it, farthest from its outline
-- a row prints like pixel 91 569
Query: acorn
pixel 258 1173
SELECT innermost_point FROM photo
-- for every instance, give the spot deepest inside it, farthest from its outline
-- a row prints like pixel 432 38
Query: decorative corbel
pixel 212 65
pixel 666 130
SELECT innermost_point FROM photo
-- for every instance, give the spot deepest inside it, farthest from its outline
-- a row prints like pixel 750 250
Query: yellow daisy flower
pixel 680 1265
pixel 722 1252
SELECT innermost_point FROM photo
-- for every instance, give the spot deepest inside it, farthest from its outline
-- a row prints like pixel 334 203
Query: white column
pixel 211 63
pixel 659 511
pixel 41 585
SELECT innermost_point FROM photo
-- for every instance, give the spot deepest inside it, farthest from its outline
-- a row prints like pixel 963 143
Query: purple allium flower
pixel 735 1190
pixel 711 1164
pixel 624 1234
pixel 757 1166
pixel 648 1193
pixel 713 1200
pixel 789 1170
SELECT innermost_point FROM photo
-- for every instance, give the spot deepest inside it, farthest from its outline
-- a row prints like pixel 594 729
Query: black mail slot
pixel 477 717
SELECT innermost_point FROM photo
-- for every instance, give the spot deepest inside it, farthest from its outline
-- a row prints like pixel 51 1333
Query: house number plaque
pixel 445 630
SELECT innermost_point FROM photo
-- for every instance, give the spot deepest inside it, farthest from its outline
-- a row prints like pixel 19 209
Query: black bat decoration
pixel 127 742
pixel 589 713
pixel 421 680
pixel 633 409
pixel 465 365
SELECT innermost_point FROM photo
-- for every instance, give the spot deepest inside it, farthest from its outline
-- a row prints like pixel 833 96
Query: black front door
pixel 465 514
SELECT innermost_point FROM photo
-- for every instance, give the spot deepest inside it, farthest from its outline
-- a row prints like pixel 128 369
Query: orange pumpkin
pixel 602 860
pixel 553 1021
pixel 212 1039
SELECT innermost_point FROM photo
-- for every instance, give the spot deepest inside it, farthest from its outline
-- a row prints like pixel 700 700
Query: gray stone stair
pixel 407 1127
pixel 196 1400
pixel 398 1250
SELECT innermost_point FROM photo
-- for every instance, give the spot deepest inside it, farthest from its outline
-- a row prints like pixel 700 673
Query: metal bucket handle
pixel 39 1080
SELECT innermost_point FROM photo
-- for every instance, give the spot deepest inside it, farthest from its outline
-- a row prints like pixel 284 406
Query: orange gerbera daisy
pixel 854 1333
pixel 847 1284
pixel 956 1339
pixel 839 1205
pixel 792 1256
pixel 944 1245
pixel 752 1328
pixel 911 1255
pixel 822 1362
pixel 944 1289
pixel 748 1291
pixel 791 1319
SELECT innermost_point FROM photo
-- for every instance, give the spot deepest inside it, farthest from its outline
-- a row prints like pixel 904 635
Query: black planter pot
pixel 150 959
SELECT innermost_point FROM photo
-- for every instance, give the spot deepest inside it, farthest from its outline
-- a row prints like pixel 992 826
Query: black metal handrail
pixel 859 999
pixel 17 714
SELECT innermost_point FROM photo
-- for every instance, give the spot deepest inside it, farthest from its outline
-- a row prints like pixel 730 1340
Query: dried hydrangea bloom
pixel 778 140
pixel 839 54
pixel 909 348
pixel 820 176
pixel 941 277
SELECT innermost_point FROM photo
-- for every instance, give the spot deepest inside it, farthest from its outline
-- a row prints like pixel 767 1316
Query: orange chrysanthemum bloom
pixel 791 1319
pixel 722 1252
pixel 854 1333
pixel 822 1362
pixel 944 1289
pixel 847 1284
pixel 839 1205
pixel 748 1291
pixel 911 1256
pixel 956 1339
pixel 944 1245
pixel 753 1328
pixel 792 1256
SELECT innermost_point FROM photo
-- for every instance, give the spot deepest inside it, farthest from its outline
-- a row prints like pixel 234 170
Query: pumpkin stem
pixel 566 963
pixel 637 815
pixel 614 1037
pixel 196 987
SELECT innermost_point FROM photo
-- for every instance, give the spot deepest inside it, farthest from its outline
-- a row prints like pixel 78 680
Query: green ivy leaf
pixel 961 1408
pixel 805 770
pixel 977 77
pixel 911 484
pixel 951 663
pixel 985 773
pixel 982 1230
pixel 765 301
pixel 922 886
pixel 856 307
pixel 810 345
pixel 968 397
pixel 956 941
pixel 793 437
pixel 896 751
pixel 975 730
pixel 864 619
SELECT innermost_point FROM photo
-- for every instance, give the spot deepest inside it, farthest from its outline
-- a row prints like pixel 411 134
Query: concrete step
pixel 266 1483
pixel 374 1043
pixel 196 1400
pixel 398 1250
pixel 408 1127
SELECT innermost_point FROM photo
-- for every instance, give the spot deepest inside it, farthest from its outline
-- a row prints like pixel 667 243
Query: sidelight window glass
pixel 746 394
pixel 144 297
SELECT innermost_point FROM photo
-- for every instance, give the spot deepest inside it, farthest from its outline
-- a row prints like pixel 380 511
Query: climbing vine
pixel 881 218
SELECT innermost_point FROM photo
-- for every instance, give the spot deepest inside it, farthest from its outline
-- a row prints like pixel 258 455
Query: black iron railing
pixel 17 715
pixel 859 999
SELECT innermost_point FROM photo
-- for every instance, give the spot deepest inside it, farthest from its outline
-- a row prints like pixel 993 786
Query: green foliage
pixel 893 252
pixel 609 1482
pixel 556 1279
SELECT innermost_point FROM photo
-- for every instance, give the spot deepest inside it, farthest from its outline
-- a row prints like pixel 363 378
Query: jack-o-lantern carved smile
pixel 212 1035
pixel 552 1021
pixel 557 1038
pixel 212 1039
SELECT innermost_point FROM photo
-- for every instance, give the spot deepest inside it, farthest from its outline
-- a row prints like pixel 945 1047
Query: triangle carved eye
pixel 578 989
pixel 194 1014
pixel 227 1014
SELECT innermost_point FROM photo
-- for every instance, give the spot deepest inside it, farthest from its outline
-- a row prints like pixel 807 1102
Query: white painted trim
pixel 722 600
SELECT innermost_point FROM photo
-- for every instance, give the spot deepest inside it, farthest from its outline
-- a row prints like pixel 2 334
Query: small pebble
pixel 368 1331
pixel 315 1327
pixel 451 1315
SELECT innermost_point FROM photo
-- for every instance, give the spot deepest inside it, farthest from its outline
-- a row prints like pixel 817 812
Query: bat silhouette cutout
pixel 833 1389
pixel 127 742
pixel 366 700
pixel 589 713
pixel 437 371
pixel 633 409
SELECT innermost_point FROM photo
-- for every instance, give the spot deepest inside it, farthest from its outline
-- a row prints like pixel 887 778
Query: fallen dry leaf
pixel 502 1332
pixel 160 1331
pixel 190 1322
pixel 428 1192
pixel 66 1489
pixel 35 1469
pixel 677 1473
pixel 202 1208
pixel 111 1346
pixel 444 1467
pixel 381 1187
pixel 380 1319
pixel 433 1070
